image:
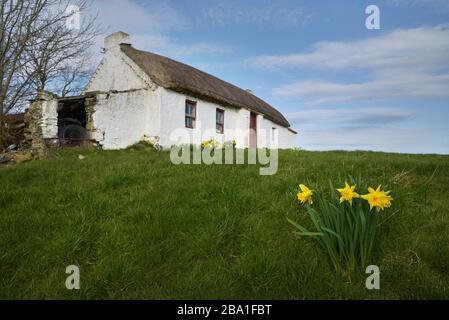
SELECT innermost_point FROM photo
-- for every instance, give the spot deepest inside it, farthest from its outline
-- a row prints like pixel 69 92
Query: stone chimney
pixel 116 39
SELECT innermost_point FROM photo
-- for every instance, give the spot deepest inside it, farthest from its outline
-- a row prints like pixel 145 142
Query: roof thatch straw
pixel 182 78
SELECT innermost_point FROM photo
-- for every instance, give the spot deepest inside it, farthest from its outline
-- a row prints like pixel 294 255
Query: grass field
pixel 141 228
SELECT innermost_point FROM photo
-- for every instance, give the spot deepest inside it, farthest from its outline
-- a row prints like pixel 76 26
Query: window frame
pixel 190 116
pixel 222 112
pixel 273 133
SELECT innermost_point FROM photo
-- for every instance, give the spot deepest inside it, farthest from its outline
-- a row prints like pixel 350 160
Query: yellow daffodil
pixel 305 195
pixel 347 193
pixel 378 199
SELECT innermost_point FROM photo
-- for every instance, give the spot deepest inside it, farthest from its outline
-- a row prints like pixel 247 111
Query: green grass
pixel 140 227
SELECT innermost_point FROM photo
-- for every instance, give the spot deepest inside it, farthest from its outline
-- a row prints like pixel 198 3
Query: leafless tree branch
pixel 38 51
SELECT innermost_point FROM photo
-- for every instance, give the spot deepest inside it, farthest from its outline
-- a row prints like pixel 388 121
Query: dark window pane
pixel 190 114
pixel 219 120
pixel 190 108
pixel 220 116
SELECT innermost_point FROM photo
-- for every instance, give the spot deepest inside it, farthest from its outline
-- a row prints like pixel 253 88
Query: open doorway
pixel 72 120
pixel 253 131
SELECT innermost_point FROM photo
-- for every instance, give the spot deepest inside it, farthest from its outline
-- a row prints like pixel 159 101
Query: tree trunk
pixel 2 127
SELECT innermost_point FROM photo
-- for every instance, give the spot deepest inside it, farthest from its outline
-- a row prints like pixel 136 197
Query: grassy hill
pixel 140 227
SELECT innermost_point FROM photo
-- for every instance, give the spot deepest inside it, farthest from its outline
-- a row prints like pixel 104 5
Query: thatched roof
pixel 180 77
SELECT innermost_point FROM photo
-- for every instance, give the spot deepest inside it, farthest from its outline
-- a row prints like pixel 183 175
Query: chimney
pixel 116 39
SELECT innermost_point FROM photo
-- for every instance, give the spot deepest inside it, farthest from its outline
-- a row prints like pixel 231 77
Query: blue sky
pixel 340 85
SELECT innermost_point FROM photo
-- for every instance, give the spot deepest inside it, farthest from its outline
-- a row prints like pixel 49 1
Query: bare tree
pixel 38 50
pixel 59 55
pixel 71 78
pixel 17 26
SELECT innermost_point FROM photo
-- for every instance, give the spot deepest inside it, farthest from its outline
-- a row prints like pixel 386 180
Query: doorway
pixel 72 120
pixel 253 131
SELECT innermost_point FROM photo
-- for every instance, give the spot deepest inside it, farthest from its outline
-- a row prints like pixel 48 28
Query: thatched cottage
pixel 135 94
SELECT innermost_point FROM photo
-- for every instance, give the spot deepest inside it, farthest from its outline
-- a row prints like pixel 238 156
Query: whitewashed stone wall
pixel 120 119
pixel 173 118
pixel 285 138
pixel 117 72
pixel 236 127
pixel 49 117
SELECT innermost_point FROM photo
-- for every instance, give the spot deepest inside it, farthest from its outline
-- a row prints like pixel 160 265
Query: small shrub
pixel 141 146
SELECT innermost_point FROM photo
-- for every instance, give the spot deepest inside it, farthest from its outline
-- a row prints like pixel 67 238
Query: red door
pixel 253 131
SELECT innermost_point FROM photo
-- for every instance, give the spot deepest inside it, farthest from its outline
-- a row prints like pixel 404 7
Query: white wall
pixel 128 106
pixel 173 118
pixel 236 124
pixel 285 138
pixel 115 72
pixel 120 119
pixel 49 118
pixel 288 139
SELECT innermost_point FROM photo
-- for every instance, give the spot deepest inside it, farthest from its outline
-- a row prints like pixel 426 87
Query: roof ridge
pixel 166 72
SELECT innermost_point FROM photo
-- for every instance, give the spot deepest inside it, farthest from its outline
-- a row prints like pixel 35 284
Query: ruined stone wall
pixel 50 118
pixel 90 103
pixel 42 122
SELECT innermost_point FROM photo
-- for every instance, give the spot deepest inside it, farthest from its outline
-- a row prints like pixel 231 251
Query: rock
pixel 158 147
pixel 12 147
pixel 81 157
pixel 22 157
pixel 4 159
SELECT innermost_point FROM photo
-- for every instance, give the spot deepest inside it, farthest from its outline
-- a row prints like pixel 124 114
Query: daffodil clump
pixel 344 223
pixel 376 198
pixel 210 144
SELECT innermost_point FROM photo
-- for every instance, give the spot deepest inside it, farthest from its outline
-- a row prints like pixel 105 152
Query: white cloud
pixel 238 13
pixel 350 116
pixel 419 49
pixel 132 16
pixel 430 4
pixel 397 86
pixel 388 139
pixel 172 47
pixel 375 128
pixel 149 25
pixel 403 63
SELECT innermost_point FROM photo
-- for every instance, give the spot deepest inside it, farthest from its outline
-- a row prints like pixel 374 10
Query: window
pixel 190 114
pixel 220 121
pixel 273 134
